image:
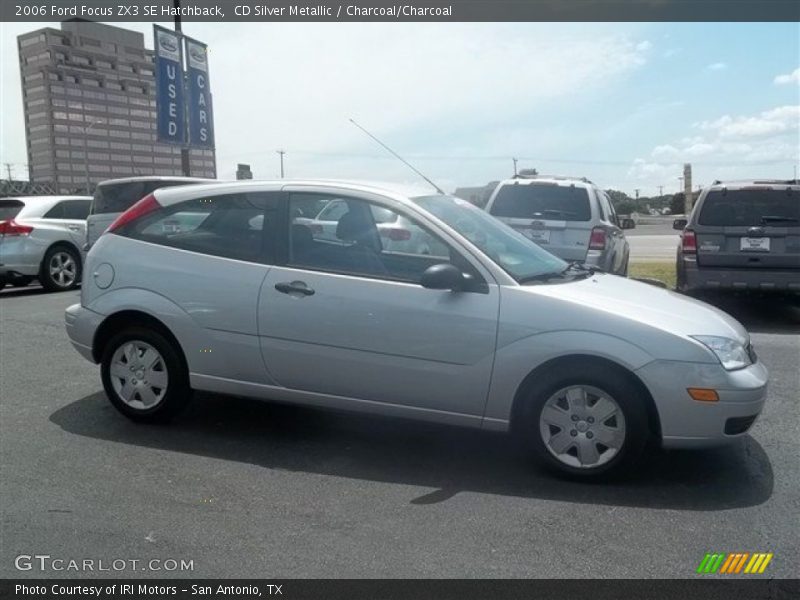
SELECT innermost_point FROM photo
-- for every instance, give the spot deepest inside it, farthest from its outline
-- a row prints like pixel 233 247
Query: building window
pixel 35 90
pixel 34 77
pixel 97 143
pixel 30 41
pixel 119 134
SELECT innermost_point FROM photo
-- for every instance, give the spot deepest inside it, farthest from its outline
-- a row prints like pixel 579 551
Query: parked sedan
pixel 583 366
pixel 40 237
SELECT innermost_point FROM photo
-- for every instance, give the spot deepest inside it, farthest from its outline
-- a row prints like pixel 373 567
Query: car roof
pixel 780 184
pixel 44 199
pixel 398 191
pixel 549 180
pixel 153 178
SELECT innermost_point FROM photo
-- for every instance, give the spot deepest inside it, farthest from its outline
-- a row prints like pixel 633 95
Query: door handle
pixel 294 287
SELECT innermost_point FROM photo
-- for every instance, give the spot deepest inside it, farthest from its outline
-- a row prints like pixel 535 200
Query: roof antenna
pixel 398 157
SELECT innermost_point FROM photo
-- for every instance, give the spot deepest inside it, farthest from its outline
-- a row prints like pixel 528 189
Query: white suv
pixel 570 217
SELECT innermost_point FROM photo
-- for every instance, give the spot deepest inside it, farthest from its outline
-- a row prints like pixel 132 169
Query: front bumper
pixel 715 278
pixel 688 423
pixel 81 324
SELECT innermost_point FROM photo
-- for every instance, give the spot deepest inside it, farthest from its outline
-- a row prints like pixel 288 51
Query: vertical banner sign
pixel 170 104
pixel 201 120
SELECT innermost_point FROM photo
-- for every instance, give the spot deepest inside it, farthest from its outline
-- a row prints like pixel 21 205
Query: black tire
pixel 51 282
pixel 178 391
pixel 617 386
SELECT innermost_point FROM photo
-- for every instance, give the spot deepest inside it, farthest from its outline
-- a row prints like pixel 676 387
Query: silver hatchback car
pixel 490 332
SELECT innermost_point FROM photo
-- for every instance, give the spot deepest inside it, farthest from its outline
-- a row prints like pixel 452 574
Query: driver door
pixel 347 317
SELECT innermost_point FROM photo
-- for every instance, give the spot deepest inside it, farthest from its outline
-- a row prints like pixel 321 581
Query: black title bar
pixel 402 10
pixel 707 588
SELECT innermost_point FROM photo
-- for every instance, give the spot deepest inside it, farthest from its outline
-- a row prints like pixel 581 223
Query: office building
pixel 88 94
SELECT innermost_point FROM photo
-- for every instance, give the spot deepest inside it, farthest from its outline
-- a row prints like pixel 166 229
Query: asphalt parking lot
pixel 252 489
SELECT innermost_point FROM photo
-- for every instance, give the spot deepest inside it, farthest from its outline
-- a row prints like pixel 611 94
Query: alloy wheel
pixel 63 269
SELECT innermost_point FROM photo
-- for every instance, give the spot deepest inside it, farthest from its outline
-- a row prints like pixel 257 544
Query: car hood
pixel 647 304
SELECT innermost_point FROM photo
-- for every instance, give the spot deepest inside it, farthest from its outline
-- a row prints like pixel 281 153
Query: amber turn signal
pixel 703 394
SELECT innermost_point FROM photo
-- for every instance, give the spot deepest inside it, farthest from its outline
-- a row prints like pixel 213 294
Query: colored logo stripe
pixel 734 562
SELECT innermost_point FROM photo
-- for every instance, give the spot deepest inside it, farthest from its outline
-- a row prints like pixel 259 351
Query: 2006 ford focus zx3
pixel 226 288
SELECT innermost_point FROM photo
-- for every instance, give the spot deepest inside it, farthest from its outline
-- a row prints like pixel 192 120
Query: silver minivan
pixel 114 196
pixel 570 217
pixel 488 331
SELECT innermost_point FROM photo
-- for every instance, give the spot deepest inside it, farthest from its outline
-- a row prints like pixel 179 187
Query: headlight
pixel 730 353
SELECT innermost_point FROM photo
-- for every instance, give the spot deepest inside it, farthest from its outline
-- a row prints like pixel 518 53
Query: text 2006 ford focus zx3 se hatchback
pixel 227 288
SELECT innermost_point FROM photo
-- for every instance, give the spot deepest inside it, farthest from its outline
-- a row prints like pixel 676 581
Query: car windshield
pixel 513 252
pixel 751 207
pixel 545 201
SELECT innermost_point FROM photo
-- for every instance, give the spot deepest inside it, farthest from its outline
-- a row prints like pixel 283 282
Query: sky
pixel 624 104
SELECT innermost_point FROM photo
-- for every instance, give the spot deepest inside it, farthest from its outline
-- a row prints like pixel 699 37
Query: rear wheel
pixel 61 269
pixel 144 375
pixel 587 423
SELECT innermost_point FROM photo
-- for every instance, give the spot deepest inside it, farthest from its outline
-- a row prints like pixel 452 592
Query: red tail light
pixel 597 241
pixel 395 234
pixel 12 228
pixel 688 242
pixel 143 207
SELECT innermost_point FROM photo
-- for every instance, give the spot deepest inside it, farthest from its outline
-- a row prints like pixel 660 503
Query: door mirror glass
pixel 628 223
pixel 679 224
pixel 443 276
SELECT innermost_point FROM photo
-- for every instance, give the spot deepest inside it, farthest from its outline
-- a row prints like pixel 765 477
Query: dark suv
pixel 742 235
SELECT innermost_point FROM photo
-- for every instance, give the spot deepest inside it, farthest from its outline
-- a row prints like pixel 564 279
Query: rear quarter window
pixel 750 208
pixel 10 209
pixel 541 201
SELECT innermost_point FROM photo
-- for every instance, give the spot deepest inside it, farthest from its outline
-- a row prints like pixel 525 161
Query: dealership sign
pixel 201 122
pixel 183 101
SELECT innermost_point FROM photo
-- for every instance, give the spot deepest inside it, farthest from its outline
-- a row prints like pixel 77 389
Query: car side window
pixel 56 212
pixel 366 239
pixel 601 204
pixel 612 213
pixel 76 209
pixel 239 226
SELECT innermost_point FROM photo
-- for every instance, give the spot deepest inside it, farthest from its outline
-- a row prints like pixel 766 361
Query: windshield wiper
pixel 777 219
pixel 575 265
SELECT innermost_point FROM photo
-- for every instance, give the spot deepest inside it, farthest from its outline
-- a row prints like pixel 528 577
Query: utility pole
pixel 637 193
pixel 185 166
pixel 515 166
pixel 8 171
pixel 660 191
pixel 281 152
pixel 687 188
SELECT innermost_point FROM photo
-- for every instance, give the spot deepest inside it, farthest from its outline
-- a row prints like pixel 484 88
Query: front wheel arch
pixel 576 362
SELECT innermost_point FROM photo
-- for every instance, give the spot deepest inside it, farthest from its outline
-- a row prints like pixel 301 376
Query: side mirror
pixel 443 276
pixel 679 224
pixel 628 223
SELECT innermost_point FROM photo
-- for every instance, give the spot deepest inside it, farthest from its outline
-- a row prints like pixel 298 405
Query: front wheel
pixel 144 375
pixel 586 422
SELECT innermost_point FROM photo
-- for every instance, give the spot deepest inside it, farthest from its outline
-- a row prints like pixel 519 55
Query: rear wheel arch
pixel 574 363
pixel 116 322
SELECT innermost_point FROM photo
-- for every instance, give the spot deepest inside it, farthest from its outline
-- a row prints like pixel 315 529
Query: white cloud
pixel 729 147
pixel 717 66
pixel 644 46
pixel 793 77
pixel 778 120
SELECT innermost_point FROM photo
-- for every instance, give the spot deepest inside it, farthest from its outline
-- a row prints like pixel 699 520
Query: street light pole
pixel 281 152
pixel 86 153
